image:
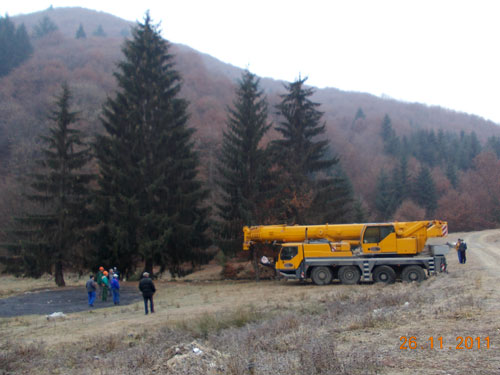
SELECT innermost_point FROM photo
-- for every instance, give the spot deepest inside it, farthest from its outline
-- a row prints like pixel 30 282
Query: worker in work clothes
pixel 147 287
pixel 115 289
pixel 105 286
pixel 91 288
pixel 99 280
pixel 461 248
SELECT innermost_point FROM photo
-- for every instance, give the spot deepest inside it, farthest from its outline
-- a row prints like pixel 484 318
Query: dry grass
pixel 272 327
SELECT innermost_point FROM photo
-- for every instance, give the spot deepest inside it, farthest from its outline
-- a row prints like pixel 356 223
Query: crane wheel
pixel 349 275
pixel 413 273
pixel 384 274
pixel 321 275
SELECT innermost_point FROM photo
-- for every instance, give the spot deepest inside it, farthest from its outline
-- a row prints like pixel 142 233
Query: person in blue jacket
pixel 91 288
pixel 115 289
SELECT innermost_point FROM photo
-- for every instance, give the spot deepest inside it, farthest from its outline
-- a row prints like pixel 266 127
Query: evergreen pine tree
pixel 80 33
pixel 400 183
pixel 333 200
pixel 359 114
pixel 14 44
pixel 99 32
pixel 150 200
pixel 44 27
pixel 391 141
pixel 48 237
pixel 493 144
pixel 243 163
pixel 384 200
pixel 424 192
pixel 451 173
pixel 359 212
pixel 300 155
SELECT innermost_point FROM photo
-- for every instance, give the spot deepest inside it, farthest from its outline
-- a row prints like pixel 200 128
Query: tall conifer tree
pixel 80 33
pixel 15 45
pixel 385 203
pixel 243 163
pixel 303 159
pixel 47 238
pixel 151 202
pixel 424 193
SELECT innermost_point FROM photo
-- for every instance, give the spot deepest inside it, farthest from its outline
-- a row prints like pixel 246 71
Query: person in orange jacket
pixel 99 280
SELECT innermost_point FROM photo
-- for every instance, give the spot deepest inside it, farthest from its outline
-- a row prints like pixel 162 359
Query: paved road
pixel 67 300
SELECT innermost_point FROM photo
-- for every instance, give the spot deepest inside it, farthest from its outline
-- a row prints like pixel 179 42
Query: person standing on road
pixel 461 248
pixel 115 288
pixel 91 288
pixel 147 287
pixel 110 278
pixel 99 280
pixel 105 286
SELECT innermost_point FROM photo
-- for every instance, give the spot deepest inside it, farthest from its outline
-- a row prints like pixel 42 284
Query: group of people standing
pixel 108 283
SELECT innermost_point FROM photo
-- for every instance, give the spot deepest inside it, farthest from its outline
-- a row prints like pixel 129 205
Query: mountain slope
pixel 26 96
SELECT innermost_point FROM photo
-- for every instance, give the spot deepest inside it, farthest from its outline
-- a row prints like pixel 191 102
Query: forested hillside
pixel 400 161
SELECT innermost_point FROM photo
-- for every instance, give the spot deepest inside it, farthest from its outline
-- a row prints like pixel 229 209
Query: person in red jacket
pixel 147 287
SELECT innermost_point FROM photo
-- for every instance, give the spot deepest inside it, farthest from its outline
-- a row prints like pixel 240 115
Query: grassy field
pixel 275 327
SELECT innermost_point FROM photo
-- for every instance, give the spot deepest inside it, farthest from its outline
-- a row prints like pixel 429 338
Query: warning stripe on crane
pixel 444 231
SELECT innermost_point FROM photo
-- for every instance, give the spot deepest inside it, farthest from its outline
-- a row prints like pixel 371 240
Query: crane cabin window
pixel 289 252
pixel 376 234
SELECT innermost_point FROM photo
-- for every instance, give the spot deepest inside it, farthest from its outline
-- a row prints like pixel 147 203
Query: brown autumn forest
pixel 27 95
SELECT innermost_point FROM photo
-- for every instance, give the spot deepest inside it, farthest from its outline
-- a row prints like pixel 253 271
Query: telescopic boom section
pixel 352 233
pixel 300 233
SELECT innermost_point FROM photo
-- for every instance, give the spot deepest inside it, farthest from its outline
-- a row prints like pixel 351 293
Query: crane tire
pixel 413 273
pixel 321 275
pixel 349 275
pixel 384 274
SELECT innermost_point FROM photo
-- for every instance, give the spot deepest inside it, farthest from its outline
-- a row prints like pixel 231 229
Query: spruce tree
pixel 384 200
pixel 44 27
pixel 424 192
pixel 493 144
pixel 47 237
pixel 14 44
pixel 400 183
pixel 451 173
pixel 150 199
pixel 243 163
pixel 99 32
pixel 390 139
pixel 301 156
pixel 80 33
pixel 333 201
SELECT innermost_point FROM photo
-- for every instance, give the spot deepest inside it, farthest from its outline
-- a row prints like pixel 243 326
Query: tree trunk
pixel 255 263
pixel 148 266
pixel 59 274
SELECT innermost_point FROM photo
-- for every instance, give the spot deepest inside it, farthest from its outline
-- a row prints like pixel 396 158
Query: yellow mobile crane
pixel 380 252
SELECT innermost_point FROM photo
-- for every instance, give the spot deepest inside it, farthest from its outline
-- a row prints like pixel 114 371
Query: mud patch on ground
pixel 67 300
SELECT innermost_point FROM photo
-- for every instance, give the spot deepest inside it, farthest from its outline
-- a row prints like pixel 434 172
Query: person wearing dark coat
pixel 147 287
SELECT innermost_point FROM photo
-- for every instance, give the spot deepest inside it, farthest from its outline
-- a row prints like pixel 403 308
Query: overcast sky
pixel 437 52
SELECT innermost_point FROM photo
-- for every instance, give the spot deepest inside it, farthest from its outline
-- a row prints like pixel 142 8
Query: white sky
pixel 438 52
